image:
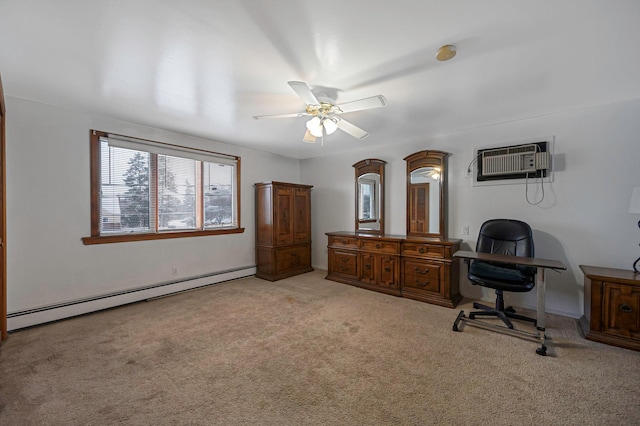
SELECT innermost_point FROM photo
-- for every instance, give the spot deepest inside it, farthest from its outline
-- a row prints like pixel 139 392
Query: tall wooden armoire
pixel 283 230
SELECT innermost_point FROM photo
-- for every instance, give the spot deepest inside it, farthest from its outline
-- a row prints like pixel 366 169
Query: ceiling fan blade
pixel 366 103
pixel 295 114
pixel 308 137
pixel 351 129
pixel 304 92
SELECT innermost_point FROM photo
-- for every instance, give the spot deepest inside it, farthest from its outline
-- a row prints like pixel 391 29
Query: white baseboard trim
pixel 35 316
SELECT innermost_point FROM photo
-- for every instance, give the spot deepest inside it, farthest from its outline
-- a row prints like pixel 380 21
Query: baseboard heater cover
pixel 35 316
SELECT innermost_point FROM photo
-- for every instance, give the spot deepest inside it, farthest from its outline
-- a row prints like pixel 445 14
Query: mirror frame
pixel 370 165
pixel 419 160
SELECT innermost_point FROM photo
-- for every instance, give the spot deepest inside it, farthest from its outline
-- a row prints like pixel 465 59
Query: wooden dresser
pixel 611 306
pixel 419 268
pixel 283 230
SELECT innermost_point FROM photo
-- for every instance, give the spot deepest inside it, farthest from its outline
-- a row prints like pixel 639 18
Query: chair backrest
pixel 506 236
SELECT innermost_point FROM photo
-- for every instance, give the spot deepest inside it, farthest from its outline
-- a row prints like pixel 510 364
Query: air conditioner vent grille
pixel 514 160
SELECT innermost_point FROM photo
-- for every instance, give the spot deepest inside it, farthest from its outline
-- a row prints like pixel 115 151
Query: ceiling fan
pixel 326 113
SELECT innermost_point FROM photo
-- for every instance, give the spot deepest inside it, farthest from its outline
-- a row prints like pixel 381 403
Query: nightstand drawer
pixel 621 310
pixel 611 306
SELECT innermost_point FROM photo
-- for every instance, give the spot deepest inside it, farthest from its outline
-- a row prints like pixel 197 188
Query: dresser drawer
pixel 421 276
pixel 344 262
pixel 390 247
pixel 423 250
pixel 347 242
pixel 293 257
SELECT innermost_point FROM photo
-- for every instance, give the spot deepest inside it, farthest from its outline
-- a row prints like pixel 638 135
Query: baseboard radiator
pixel 40 315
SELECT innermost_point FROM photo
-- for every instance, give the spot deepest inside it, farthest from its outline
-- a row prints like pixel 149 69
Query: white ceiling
pixel 205 67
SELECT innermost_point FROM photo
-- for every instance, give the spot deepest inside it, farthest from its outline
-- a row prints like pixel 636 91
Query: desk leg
pixel 541 283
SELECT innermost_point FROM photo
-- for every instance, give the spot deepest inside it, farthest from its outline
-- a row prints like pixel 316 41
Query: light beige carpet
pixel 306 351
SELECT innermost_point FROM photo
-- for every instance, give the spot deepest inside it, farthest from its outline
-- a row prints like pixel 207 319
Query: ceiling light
pixel 315 127
pixel 329 125
pixel 446 52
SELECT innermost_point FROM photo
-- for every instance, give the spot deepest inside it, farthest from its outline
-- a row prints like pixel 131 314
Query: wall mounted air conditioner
pixel 514 160
pixel 522 162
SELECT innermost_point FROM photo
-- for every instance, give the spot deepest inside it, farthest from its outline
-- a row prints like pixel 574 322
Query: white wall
pixel 582 220
pixel 48 212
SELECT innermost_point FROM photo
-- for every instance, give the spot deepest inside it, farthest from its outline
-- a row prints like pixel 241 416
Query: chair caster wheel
pixel 455 327
pixel 510 309
pixel 542 351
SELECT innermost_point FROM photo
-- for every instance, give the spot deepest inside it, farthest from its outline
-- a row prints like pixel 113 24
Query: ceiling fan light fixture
pixel 446 52
pixel 330 125
pixel 315 127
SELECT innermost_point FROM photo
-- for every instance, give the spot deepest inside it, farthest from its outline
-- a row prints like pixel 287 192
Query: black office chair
pixel 506 237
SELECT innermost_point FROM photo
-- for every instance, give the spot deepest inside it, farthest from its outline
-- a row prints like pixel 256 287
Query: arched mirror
pixel 426 201
pixel 370 196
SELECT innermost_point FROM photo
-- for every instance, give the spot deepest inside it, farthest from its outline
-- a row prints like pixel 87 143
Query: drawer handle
pixel 421 249
pixel 426 270
pixel 378 245
pixel 626 308
pixel 426 283
pixel 344 268
pixel 344 259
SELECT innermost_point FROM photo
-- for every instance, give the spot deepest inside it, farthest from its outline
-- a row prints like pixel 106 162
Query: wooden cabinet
pixel 430 273
pixel 379 264
pixel 283 230
pixel 369 261
pixel 419 268
pixel 611 306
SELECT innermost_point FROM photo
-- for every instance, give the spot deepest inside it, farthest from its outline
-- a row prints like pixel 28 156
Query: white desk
pixel 541 266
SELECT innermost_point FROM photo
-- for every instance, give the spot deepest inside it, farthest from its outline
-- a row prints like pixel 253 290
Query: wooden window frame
pixel 97 238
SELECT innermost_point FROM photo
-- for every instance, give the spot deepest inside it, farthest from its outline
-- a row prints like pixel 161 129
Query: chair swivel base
pixel 503 314
pixel 540 336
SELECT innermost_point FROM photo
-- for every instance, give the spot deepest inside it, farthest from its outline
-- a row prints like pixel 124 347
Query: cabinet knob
pixel 387 269
pixel 421 249
pixel 378 245
pixel 625 308
pixel 368 266
pixel 344 242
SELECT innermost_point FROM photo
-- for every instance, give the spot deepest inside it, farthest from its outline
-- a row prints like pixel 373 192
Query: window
pixel 143 190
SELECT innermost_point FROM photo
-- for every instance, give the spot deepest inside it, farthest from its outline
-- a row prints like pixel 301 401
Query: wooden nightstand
pixel 611 306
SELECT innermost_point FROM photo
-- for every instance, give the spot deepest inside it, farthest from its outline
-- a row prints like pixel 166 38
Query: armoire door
pixel 283 214
pixel 302 215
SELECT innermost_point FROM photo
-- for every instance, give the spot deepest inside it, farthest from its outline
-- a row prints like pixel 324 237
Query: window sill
pixel 125 238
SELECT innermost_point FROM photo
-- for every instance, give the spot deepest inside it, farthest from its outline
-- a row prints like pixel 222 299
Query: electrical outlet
pixel 465 230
